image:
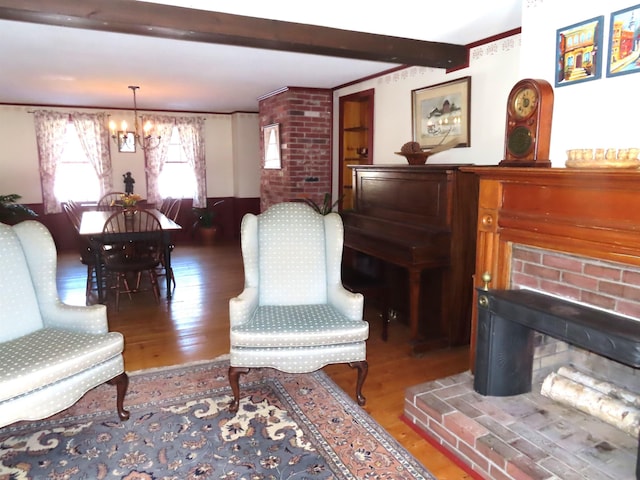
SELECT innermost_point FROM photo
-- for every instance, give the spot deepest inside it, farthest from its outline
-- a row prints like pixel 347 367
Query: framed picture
pixel 126 142
pixel 271 139
pixel 624 42
pixel 578 52
pixel 442 113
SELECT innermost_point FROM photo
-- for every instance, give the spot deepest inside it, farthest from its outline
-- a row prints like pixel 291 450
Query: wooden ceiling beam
pixel 155 20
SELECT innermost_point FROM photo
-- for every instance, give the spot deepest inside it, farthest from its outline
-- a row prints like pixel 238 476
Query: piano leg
pixel 414 302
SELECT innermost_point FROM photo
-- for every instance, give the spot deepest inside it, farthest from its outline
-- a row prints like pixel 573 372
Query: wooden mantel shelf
pixel 593 213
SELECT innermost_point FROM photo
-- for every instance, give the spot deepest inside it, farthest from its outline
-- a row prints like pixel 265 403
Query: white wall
pixel 494 69
pixel 599 113
pixel 19 155
pixel 246 149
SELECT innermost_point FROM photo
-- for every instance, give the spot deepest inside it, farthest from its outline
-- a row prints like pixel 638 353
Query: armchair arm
pixel 350 304
pixel 78 318
pixel 241 308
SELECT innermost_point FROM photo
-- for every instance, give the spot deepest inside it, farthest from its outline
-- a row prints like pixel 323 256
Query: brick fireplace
pixel 573 234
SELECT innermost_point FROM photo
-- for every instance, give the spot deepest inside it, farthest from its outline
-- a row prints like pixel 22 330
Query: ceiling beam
pixel 155 20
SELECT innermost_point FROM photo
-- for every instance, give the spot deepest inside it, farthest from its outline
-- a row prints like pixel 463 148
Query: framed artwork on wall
pixel 271 142
pixel 579 52
pixel 624 42
pixel 126 142
pixel 442 113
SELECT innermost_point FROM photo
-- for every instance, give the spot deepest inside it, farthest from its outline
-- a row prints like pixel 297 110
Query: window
pixel 177 179
pixel 75 177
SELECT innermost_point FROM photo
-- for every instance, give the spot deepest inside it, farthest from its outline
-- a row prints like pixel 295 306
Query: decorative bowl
pixel 416 158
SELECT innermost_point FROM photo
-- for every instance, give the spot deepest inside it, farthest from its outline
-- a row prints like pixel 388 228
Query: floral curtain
pixel 155 158
pixel 191 131
pixel 94 138
pixel 50 130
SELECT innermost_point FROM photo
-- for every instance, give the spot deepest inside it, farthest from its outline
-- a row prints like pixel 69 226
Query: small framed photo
pixel 579 52
pixel 271 142
pixel 624 42
pixel 442 114
pixel 126 142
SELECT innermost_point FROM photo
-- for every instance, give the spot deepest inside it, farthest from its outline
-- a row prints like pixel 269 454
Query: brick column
pixel 305 117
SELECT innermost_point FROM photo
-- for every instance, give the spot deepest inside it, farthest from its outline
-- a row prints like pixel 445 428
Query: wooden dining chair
pixel 110 200
pixel 88 255
pixel 135 247
pixel 171 209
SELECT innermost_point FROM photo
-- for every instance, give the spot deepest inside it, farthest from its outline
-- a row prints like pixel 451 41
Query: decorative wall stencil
pixel 578 52
pixel 624 42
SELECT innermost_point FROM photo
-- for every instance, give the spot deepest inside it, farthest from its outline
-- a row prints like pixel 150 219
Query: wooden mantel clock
pixel 528 129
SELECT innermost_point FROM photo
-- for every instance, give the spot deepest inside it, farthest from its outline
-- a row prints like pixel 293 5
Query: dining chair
pixel 166 203
pixel 135 246
pixel 88 255
pixel 170 208
pixel 294 314
pixel 173 210
pixel 110 200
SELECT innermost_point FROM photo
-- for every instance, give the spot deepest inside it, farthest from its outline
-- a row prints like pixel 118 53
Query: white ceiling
pixel 48 65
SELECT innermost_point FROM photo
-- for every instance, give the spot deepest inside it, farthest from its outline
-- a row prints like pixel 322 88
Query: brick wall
pixel 305 118
pixel 610 286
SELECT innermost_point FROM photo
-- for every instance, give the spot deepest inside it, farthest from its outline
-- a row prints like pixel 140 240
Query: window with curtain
pixel 75 177
pixel 74 157
pixel 177 178
pixel 181 149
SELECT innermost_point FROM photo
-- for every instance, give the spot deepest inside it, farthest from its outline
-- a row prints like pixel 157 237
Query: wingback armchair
pixel 294 314
pixel 51 353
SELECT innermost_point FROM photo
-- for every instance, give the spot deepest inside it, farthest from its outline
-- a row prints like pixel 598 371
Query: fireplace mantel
pixel 592 213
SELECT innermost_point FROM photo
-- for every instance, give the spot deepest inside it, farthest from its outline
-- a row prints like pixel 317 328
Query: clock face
pixel 525 102
pixel 519 141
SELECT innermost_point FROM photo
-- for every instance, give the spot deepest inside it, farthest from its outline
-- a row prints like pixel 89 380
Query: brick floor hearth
pixel 524 437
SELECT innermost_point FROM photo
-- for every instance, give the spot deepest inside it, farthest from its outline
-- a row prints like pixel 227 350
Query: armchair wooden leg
pixel 234 381
pixel 121 382
pixel 363 369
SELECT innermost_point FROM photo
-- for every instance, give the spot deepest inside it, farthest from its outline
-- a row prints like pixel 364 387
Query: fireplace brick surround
pixel 570 233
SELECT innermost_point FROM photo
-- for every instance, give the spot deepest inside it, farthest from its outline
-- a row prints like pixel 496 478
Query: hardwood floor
pixel 194 325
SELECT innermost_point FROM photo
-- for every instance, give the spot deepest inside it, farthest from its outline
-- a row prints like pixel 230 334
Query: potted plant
pixel 205 222
pixel 325 207
pixel 12 212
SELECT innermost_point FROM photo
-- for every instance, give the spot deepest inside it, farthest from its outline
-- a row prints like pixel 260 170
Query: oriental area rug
pixel 288 426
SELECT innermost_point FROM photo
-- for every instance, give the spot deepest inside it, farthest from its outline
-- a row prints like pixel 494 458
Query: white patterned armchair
pixel 294 315
pixel 51 353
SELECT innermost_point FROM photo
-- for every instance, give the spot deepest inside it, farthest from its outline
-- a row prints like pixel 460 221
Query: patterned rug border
pixel 358 415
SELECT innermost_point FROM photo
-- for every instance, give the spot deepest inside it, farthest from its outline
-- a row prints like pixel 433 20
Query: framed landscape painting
pixel 441 113
pixel 578 52
pixel 624 42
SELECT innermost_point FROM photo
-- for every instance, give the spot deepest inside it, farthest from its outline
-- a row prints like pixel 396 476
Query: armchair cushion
pixel 47 355
pixel 298 325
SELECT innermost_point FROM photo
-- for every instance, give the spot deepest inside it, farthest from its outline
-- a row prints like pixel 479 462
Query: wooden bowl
pixel 417 158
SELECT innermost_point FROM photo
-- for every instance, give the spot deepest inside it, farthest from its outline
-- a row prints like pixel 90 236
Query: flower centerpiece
pixel 129 200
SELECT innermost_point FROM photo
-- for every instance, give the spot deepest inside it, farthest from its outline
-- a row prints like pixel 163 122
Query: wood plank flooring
pixel 194 325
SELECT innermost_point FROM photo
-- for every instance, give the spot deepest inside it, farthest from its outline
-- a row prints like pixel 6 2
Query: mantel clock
pixel 528 128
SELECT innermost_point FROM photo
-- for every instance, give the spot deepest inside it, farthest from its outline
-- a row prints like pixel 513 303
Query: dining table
pixel 92 225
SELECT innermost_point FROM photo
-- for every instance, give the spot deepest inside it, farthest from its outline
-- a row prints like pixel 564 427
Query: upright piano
pixel 421 218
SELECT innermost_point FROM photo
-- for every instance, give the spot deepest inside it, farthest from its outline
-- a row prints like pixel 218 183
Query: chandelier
pixel 142 134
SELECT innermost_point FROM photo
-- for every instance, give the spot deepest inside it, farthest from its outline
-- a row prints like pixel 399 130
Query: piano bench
pixel 358 282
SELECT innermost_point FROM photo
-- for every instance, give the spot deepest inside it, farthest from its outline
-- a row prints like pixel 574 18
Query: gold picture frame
pixel 271 142
pixel 442 113
pixel 126 142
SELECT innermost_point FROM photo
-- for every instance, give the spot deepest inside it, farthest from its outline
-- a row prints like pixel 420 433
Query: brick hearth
pixel 521 437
